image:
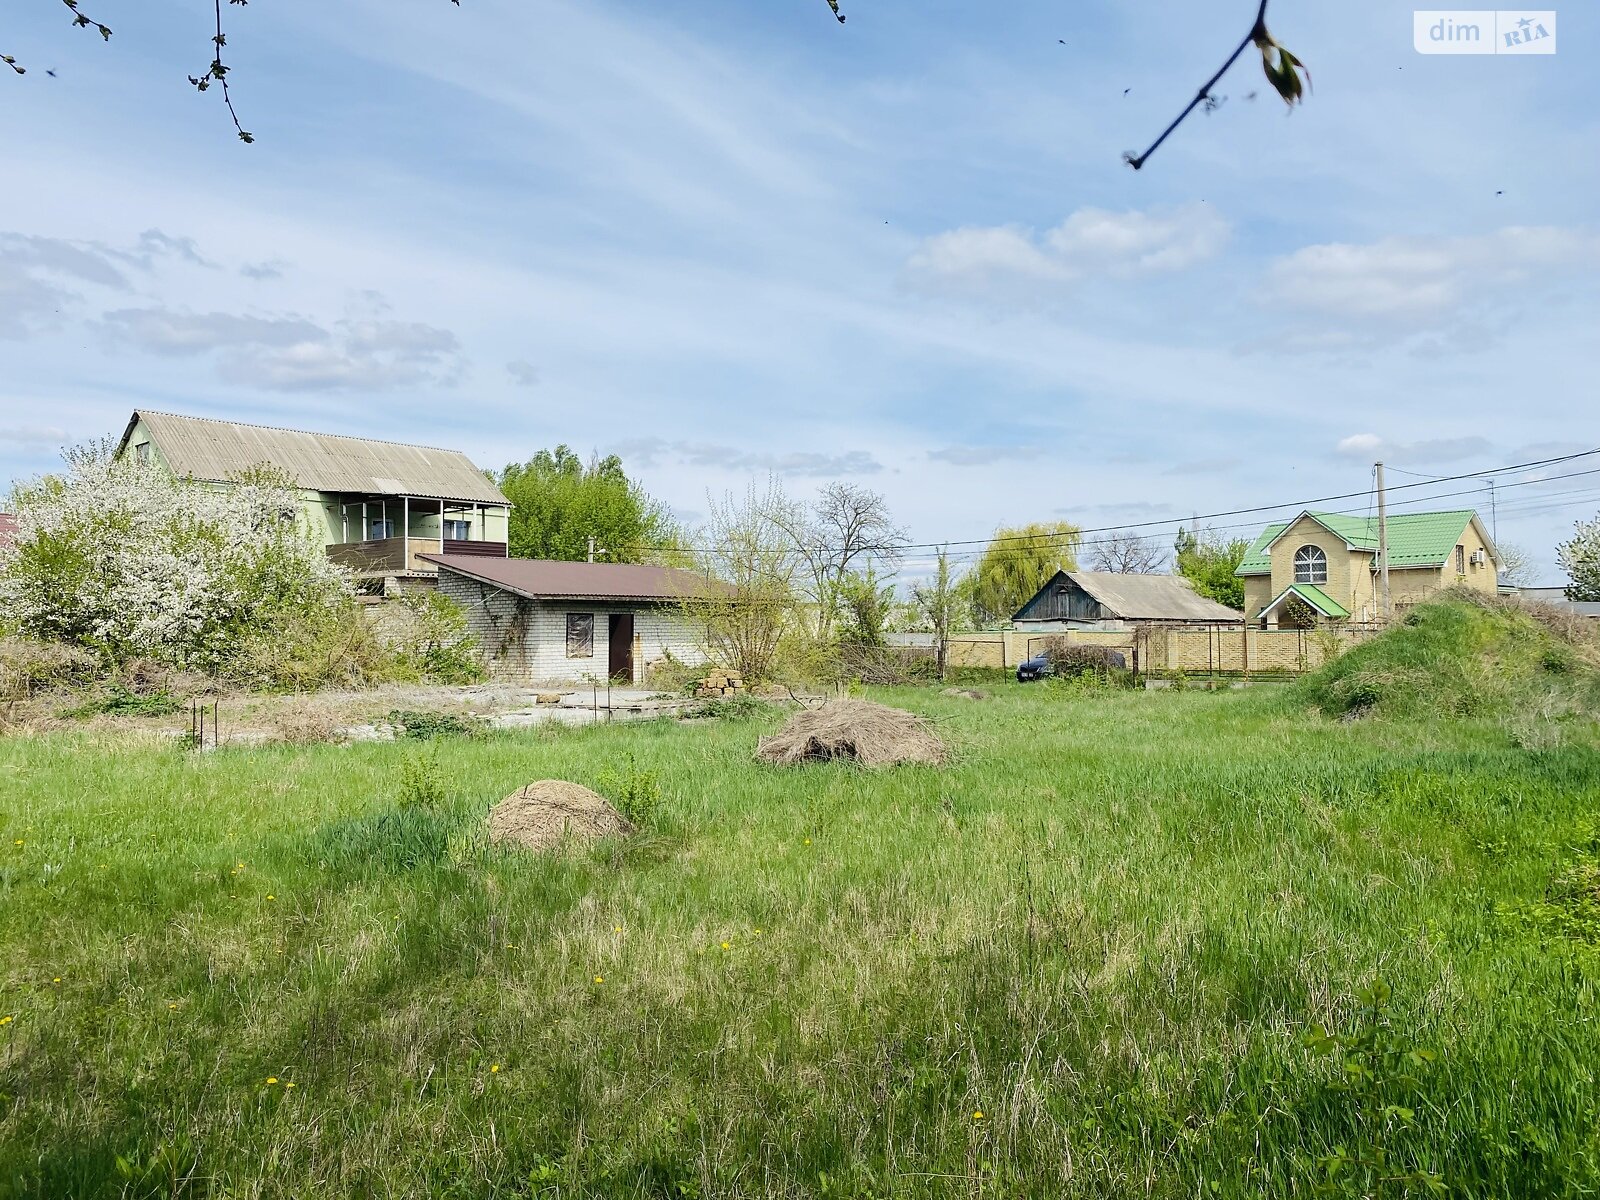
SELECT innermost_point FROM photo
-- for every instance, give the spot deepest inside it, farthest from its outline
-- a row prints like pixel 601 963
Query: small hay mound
pixel 542 815
pixel 873 735
pixel 965 693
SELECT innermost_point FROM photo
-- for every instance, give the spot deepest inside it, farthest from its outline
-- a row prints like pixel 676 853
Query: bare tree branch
pixel 1282 69
pixel 218 73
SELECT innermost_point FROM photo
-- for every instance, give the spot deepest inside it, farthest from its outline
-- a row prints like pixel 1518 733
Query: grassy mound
pixel 1467 655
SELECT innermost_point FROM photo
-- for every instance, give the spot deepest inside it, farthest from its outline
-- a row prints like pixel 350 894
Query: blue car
pixel 1037 667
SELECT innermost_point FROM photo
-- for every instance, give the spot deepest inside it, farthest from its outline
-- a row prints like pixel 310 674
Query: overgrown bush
pixel 635 792
pixel 426 726
pixel 1071 658
pixel 427 632
pixel 29 666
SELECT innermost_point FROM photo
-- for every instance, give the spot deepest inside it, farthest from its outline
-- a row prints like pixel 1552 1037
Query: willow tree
pixel 1018 562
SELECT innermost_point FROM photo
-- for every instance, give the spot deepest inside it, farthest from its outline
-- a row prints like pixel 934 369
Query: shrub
pixel 636 793
pixel 29 666
pixel 421 783
pixel 123 558
pixel 119 700
pixel 427 632
pixel 299 649
pixel 1069 658
pixel 426 726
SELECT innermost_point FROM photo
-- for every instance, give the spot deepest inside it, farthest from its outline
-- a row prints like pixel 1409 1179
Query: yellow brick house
pixel 1329 563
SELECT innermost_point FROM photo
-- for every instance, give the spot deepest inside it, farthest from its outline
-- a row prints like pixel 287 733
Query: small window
pixel 457 531
pixel 580 635
pixel 1310 565
pixel 380 528
pixel 141 454
pixel 1461 560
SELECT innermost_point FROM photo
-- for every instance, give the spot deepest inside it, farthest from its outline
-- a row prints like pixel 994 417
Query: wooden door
pixel 620 653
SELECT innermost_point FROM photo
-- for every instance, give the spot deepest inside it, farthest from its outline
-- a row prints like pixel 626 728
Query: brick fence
pixel 1225 649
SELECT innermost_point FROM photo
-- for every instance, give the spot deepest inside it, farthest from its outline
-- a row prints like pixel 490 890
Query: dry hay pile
pixel 542 815
pixel 965 693
pixel 873 735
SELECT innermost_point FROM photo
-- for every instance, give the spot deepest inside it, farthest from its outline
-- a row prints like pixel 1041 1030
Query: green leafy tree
pixel 1018 563
pixel 1209 562
pixel 559 502
pixel 868 603
pixel 1579 557
pixel 944 602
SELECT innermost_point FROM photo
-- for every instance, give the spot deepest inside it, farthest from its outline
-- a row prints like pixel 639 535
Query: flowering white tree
pixel 1580 559
pixel 123 558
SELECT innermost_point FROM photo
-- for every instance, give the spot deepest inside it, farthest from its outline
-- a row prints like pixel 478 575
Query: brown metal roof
pixel 216 451
pixel 548 579
pixel 8 529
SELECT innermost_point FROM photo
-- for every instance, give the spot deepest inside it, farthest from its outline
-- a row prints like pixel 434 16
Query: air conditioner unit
pixel 1479 557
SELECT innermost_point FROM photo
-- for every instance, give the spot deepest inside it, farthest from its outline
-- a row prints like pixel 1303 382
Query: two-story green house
pixel 378 506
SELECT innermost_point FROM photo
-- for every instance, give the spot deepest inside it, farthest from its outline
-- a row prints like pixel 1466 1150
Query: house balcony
pixel 400 532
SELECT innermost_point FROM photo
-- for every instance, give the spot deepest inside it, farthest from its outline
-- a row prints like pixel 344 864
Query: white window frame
pixel 1310 561
pixel 380 529
pixel 461 524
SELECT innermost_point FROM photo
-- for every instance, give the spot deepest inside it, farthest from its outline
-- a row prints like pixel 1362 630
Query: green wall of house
pixel 332 515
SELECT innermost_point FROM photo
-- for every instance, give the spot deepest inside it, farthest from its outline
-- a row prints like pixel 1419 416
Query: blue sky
pixel 728 238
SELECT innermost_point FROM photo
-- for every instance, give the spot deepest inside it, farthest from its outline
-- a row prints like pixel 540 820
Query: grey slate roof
pixel 216 451
pixel 1149 597
pixel 549 579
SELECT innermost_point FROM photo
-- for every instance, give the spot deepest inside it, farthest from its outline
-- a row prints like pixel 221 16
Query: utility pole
pixel 1383 546
pixel 591 549
pixel 1494 513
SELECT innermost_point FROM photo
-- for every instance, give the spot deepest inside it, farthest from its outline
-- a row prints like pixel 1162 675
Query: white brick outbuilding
pixel 538 620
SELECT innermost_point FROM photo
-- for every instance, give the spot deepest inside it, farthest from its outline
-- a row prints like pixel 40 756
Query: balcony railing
pixel 388 556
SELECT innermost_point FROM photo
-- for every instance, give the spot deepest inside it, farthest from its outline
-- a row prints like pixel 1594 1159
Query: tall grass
pixel 1109 927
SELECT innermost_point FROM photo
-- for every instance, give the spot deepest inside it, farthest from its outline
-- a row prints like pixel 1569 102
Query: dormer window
pixel 1310 565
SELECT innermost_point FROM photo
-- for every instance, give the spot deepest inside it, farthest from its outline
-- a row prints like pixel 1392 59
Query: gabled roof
pixel 216 451
pixel 1424 539
pixel 1142 597
pixel 549 579
pixel 1312 595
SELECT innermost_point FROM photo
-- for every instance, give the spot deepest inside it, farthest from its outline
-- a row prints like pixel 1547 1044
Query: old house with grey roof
pixel 382 508
pixel 1110 600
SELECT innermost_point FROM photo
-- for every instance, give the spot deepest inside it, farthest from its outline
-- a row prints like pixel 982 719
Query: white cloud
pixel 523 373
pixel 652 452
pixel 1455 292
pixel 291 353
pixel 1429 450
pixel 33 437
pixel 982 456
pixel 1091 243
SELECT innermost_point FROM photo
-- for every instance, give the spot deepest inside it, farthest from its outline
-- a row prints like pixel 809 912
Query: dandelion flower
pixel 272 1079
pixel 18 842
pixel 174 1004
pixel 758 933
pixel 727 946
pixel 599 978
pixel 617 929
pixel 57 979
pixel 808 841
pixel 6 1020
pixel 290 1084
pixel 978 1115
pixel 270 896
pixel 494 1068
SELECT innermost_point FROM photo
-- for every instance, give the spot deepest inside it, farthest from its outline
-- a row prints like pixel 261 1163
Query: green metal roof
pixel 1423 539
pixel 1312 595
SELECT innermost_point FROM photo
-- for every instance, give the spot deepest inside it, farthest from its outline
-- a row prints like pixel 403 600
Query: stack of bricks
pixel 720 683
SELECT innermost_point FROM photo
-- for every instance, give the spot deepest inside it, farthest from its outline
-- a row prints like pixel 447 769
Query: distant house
pixel 539 619
pixel 1558 597
pixel 1090 599
pixel 8 530
pixel 1328 561
pixel 380 507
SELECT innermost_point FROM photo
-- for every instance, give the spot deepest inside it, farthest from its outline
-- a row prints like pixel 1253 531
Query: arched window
pixel 1310 565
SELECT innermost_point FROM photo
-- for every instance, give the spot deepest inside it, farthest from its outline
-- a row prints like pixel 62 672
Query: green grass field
pixel 1087 959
